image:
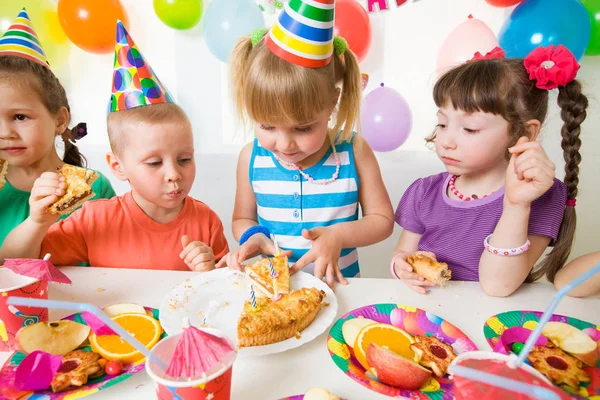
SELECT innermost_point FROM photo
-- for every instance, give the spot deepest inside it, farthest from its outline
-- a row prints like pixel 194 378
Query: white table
pixel 295 371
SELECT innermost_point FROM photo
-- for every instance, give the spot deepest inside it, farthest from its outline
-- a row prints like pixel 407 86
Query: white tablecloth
pixel 295 371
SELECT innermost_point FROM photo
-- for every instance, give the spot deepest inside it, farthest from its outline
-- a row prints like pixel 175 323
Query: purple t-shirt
pixel 454 230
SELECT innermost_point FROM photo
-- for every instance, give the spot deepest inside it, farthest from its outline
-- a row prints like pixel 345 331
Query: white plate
pixel 216 299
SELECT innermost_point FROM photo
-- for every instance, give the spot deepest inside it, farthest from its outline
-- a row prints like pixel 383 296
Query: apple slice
pixel 395 370
pixel 352 327
pixel 58 337
pixel 572 340
pixel 123 308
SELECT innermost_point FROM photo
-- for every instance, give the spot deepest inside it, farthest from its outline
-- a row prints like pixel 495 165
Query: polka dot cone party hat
pixel 21 40
pixel 303 34
pixel 134 82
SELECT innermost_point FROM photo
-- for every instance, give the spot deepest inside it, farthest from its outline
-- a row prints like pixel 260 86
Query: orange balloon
pixel 91 24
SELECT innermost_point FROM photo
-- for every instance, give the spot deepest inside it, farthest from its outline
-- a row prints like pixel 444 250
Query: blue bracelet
pixel 253 230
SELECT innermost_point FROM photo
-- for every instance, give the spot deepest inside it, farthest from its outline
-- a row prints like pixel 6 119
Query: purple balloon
pixel 386 119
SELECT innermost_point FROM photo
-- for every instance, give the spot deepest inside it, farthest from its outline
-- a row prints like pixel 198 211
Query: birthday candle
pixel 253 297
pixel 277 251
pixel 273 273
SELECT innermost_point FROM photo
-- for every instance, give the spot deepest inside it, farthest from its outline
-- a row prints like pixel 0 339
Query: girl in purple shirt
pixel 498 207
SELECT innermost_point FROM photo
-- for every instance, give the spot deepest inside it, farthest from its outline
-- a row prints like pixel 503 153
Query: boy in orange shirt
pixel 150 226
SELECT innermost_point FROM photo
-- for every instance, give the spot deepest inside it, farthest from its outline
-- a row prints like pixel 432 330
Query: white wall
pixel 403 53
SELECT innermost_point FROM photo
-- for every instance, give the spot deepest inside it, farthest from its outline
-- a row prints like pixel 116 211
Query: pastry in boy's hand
pixel 3 171
pixel 79 189
pixel 430 269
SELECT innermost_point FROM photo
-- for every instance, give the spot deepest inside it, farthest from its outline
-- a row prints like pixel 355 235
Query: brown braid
pixel 573 106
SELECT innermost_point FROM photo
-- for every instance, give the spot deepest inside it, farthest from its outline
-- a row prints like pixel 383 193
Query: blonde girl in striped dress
pixel 306 174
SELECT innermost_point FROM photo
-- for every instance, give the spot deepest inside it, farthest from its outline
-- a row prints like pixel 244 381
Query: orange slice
pixel 141 326
pixel 385 335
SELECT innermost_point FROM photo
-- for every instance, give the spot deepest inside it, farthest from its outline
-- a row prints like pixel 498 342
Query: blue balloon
pixel 225 21
pixel 544 22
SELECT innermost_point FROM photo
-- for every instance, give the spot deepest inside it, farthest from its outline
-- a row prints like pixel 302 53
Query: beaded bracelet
pixel 253 230
pixel 392 265
pixel 505 252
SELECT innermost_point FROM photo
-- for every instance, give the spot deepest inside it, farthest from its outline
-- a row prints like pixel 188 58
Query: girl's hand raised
pixel 530 173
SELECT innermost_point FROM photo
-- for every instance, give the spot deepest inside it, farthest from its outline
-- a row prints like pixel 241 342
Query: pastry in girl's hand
pixel 79 189
pixel 3 171
pixel 430 269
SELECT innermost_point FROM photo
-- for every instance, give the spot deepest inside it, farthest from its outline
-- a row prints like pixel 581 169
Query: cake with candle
pixel 270 275
pixel 264 320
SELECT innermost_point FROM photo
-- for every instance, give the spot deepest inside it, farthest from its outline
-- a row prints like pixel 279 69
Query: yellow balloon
pixel 45 21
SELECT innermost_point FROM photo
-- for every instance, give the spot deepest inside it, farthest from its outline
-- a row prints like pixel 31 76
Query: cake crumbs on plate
pixel 325 304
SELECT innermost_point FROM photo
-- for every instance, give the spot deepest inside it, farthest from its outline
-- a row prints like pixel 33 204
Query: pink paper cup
pixel 466 389
pixel 216 385
pixel 13 318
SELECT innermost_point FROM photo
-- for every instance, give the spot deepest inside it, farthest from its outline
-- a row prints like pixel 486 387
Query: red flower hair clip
pixel 496 52
pixel 550 67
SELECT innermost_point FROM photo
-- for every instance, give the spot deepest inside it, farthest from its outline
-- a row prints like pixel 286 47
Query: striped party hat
pixel 134 82
pixel 21 40
pixel 303 34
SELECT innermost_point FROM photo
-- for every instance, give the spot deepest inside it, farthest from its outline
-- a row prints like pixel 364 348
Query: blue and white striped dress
pixel 288 203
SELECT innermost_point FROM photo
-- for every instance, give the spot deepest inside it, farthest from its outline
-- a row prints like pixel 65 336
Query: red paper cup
pixel 496 363
pixel 13 318
pixel 216 385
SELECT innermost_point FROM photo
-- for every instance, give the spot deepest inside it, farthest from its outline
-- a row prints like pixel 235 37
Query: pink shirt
pixel 116 233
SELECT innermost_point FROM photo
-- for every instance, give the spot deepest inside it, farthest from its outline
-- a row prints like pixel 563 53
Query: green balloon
pixel 593 8
pixel 517 347
pixel 179 14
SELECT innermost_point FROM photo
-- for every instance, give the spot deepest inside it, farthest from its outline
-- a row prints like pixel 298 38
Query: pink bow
pixel 496 52
pixel 550 67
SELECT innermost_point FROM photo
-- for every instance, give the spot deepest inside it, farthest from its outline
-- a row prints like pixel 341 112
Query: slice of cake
pixel 274 321
pixel 262 280
pixel 3 171
pixel 79 189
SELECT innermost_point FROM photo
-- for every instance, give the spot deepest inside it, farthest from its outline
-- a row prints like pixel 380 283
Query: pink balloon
pixel 469 37
pixel 385 119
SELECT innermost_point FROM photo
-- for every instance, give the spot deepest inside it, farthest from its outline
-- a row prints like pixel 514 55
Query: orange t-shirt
pixel 116 233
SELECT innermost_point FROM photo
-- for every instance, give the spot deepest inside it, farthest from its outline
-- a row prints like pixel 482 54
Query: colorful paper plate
pixel 496 325
pixel 413 320
pixel 93 385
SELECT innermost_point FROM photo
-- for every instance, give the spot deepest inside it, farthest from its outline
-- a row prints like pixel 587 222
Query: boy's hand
pixel 256 244
pixel 404 271
pixel 197 255
pixel 47 189
pixel 325 253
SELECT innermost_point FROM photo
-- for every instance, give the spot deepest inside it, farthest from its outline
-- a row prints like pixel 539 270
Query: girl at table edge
pixel 575 268
pixel 299 161
pixel 491 110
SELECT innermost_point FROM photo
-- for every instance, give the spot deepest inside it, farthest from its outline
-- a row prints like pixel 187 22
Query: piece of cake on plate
pixel 262 279
pixel 275 321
